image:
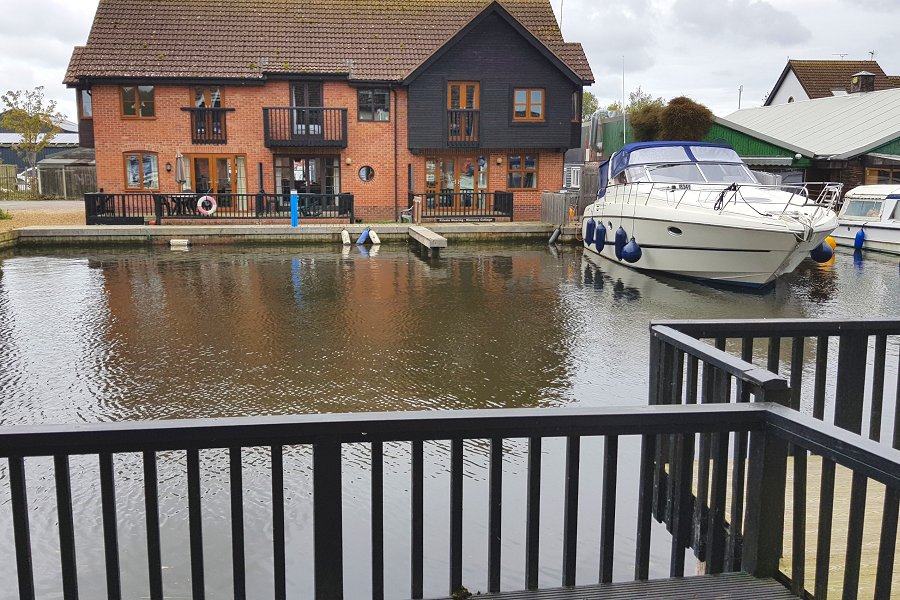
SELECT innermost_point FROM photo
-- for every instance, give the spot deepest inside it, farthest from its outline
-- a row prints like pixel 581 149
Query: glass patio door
pixel 463 182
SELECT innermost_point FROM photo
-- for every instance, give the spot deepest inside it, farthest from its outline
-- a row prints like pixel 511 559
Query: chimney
pixel 862 82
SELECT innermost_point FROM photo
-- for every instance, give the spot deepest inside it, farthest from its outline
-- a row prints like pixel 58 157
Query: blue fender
pixel 621 240
pixel 821 253
pixel 860 239
pixel 632 252
pixel 600 236
pixel 363 237
pixel 589 232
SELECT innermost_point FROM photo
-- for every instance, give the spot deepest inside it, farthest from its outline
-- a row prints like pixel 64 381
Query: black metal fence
pixel 303 126
pixel 469 204
pixel 105 209
pixel 840 379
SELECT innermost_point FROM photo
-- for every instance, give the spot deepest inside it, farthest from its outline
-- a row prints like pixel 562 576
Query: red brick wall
pixel 368 144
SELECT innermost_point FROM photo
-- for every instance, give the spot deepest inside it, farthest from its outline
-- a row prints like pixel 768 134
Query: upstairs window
pixel 138 101
pixel 374 105
pixel 141 171
pixel 522 172
pixel 85 104
pixel 528 105
pixel 210 97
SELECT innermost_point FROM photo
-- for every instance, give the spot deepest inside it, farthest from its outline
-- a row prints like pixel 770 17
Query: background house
pixel 64 140
pixel 811 79
pixel 451 100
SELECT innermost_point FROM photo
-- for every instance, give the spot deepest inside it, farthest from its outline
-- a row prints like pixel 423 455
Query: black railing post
pixel 90 208
pixel 158 208
pixel 327 529
pixel 764 530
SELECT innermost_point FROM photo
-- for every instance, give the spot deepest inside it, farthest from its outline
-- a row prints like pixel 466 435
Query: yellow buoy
pixel 831 242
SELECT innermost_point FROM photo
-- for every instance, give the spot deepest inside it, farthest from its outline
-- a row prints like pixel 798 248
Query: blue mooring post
pixel 295 216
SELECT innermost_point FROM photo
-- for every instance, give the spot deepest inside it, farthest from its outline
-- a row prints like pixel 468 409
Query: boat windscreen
pixel 862 208
pixel 726 173
pixel 684 173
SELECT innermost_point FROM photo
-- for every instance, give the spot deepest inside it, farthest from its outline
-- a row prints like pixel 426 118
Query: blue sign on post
pixel 295 210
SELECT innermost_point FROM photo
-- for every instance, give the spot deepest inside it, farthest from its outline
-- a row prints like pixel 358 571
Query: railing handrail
pixel 781 327
pixel 208 108
pixel 346 428
pixel 765 380
pixel 875 461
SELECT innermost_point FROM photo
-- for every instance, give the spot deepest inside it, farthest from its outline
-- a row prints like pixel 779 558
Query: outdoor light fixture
pixel 349 161
pixel 168 167
pixel 499 161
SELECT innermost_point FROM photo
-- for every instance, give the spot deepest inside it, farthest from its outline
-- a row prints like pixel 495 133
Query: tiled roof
pixel 375 40
pixel 820 77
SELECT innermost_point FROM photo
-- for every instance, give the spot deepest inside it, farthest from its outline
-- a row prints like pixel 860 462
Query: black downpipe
pixel 396 159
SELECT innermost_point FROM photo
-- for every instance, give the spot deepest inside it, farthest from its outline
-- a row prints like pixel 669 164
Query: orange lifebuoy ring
pixel 201 205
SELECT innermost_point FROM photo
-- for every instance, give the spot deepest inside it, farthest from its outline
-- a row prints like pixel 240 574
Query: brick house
pixel 448 99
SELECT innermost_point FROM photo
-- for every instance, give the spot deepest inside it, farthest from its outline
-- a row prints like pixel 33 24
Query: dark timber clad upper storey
pixel 494 54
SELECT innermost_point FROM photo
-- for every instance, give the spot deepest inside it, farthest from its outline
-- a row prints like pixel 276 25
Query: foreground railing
pixel 471 204
pixel 685 370
pixel 771 428
pixel 102 208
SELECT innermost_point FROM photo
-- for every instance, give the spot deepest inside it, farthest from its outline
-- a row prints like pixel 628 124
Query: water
pixel 108 335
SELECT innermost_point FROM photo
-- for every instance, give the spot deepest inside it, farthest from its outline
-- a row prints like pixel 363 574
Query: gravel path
pixel 41 212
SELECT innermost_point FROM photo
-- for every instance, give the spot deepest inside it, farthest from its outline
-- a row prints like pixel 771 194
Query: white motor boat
pixel 870 218
pixel 694 209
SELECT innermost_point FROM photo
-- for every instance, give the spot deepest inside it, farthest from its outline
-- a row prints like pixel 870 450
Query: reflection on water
pixel 155 334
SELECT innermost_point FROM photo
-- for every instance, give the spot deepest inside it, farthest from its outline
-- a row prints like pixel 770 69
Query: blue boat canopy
pixel 648 153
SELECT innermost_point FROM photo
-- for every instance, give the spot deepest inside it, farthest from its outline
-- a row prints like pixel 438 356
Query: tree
pixel 684 119
pixel 36 120
pixel 646 121
pixel 589 104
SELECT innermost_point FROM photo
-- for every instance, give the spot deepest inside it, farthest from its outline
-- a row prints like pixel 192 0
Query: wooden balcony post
pixel 764 530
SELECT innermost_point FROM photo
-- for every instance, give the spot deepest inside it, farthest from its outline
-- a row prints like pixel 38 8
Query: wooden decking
pixel 728 586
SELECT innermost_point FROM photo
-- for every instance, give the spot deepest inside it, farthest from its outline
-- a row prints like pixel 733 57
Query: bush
pixel 4 216
pixel 646 122
pixel 684 119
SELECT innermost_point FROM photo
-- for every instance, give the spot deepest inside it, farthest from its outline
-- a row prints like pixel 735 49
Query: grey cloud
pixel 741 20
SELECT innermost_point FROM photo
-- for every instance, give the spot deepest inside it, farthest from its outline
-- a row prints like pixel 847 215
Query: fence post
pixel 764 530
pixel 327 529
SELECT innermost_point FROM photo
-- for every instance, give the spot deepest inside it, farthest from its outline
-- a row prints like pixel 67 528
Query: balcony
pixel 462 128
pixel 208 125
pixel 706 461
pixel 305 127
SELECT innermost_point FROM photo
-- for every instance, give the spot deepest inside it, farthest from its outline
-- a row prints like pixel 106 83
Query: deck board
pixel 728 586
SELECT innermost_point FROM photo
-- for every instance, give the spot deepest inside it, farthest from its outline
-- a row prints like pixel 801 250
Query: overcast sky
pixel 704 49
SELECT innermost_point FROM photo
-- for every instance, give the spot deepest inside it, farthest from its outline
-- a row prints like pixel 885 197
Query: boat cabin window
pixel 660 154
pixel 715 154
pixel 863 208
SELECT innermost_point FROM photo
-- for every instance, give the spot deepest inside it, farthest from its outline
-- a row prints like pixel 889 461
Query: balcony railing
pixel 467 204
pixel 116 209
pixel 462 127
pixel 305 126
pixel 208 125
pixel 533 453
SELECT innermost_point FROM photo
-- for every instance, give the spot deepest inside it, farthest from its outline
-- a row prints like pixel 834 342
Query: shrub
pixel 684 119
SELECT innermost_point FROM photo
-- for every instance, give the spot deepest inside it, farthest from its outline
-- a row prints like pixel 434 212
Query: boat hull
pixel 734 251
pixel 883 238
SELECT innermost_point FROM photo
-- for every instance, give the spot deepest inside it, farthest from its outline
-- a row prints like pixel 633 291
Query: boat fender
pixel 345 237
pixel 632 252
pixel 555 235
pixel 374 237
pixel 860 239
pixel 589 232
pixel 621 240
pixel 822 253
pixel 600 236
pixel 831 242
pixel 206 205
pixel 363 237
